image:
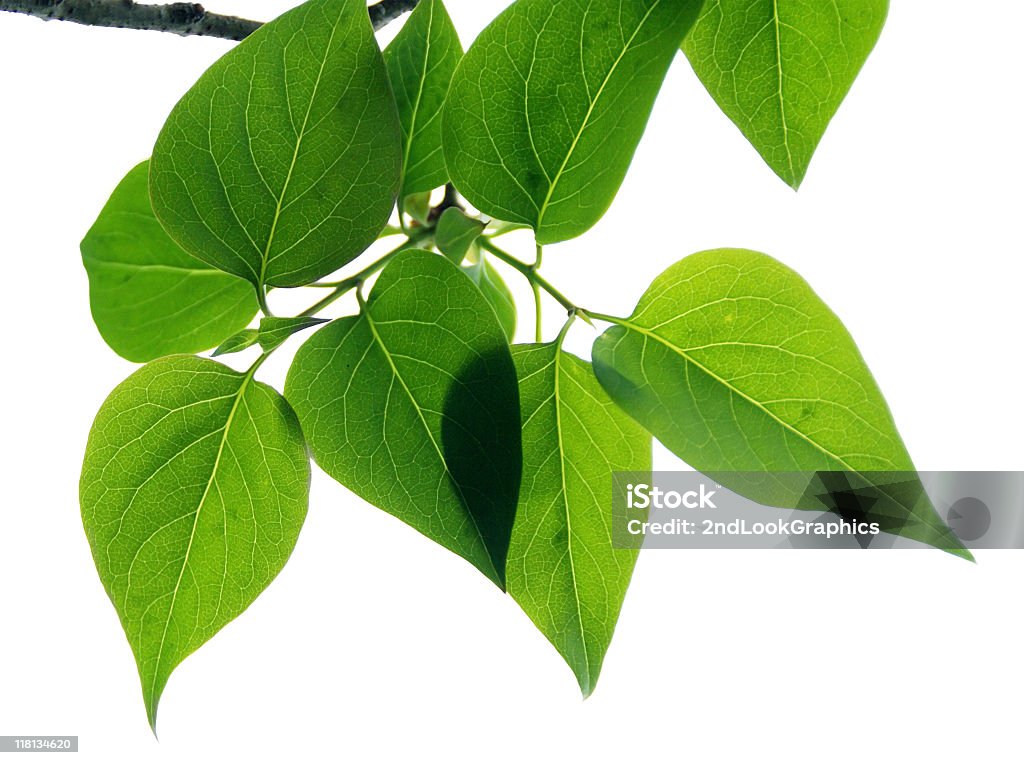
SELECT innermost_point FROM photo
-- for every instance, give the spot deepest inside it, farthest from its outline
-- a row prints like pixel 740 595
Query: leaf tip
pixel 151 717
pixel 963 552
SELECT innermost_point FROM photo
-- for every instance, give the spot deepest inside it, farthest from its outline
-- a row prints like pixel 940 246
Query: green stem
pixel 538 310
pixel 605 317
pixel 261 299
pixel 259 362
pixel 538 313
pixel 565 329
pixel 346 285
pixel 530 272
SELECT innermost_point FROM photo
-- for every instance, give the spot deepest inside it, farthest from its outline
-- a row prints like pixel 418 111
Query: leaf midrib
pixel 295 155
pixel 243 386
pixel 118 264
pixel 782 101
pixel 568 520
pixel 927 519
pixel 590 110
pixel 419 95
pixel 437 448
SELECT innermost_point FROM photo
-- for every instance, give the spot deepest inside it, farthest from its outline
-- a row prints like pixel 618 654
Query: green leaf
pixel 549 104
pixel 418 206
pixel 149 297
pixel 455 232
pixel 495 292
pixel 780 69
pixel 413 405
pixel 238 342
pixel 275 330
pixel 194 488
pixel 281 164
pixel 736 365
pixel 421 61
pixel 562 568
pixel 500 227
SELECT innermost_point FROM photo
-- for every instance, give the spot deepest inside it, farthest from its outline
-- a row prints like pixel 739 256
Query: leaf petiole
pixel 340 288
pixel 530 272
pixel 261 299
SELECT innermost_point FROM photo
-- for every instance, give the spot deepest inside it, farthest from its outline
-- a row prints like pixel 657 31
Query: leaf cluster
pixel 305 145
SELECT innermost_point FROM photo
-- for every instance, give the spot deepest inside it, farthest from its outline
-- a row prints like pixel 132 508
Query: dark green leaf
pixel 735 364
pixel 780 69
pixel 562 568
pixel 421 61
pixel 194 488
pixel 455 232
pixel 281 164
pixel 495 292
pixel 413 405
pixel 549 104
pixel 275 330
pixel 149 297
pixel 238 342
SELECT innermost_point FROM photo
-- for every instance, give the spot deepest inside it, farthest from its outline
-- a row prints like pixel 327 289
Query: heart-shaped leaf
pixel 737 366
pixel 149 297
pixel 413 405
pixel 421 61
pixel 562 568
pixel 194 488
pixel 281 164
pixel 548 105
pixel 780 69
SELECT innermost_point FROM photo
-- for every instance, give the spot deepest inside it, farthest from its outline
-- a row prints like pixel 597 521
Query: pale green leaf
pixel 562 568
pixel 421 61
pixel 779 69
pixel 247 338
pixel 149 297
pixel 413 405
pixel 281 164
pixel 194 488
pixel 455 232
pixel 495 292
pixel 274 330
pixel 417 206
pixel 736 365
pixel 548 105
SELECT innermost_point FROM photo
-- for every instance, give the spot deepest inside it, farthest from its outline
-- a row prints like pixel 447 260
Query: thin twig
pixel 177 18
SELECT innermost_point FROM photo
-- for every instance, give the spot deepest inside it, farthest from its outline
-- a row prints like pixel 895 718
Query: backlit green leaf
pixel 455 232
pixel 549 104
pixel 735 364
pixel 562 568
pixel 274 330
pixel 780 68
pixel 247 338
pixel 495 292
pixel 413 405
pixel 149 297
pixel 418 206
pixel 194 488
pixel 421 61
pixel 281 164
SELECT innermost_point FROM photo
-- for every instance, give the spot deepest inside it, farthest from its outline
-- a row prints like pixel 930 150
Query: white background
pixel 377 645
